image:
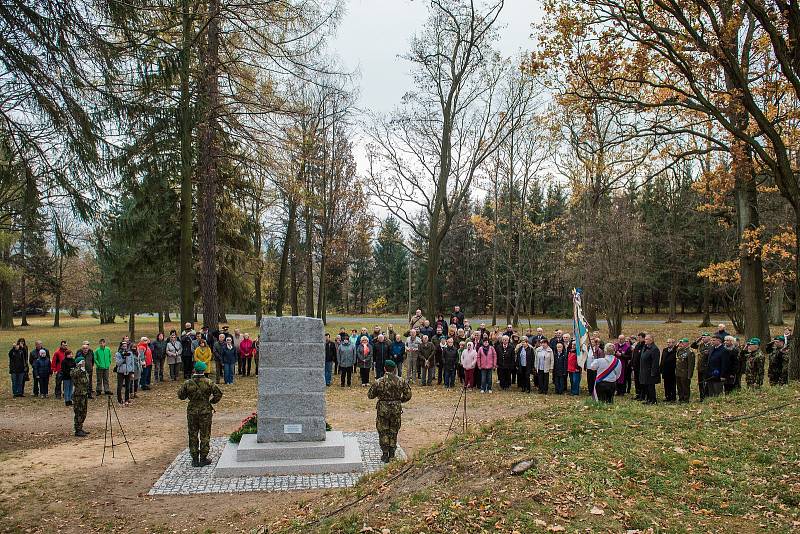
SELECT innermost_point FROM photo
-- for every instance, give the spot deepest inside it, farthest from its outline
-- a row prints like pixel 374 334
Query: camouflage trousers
pixel 79 406
pixel 199 434
pixel 388 427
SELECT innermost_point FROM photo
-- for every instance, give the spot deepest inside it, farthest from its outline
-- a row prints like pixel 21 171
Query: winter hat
pixel 389 364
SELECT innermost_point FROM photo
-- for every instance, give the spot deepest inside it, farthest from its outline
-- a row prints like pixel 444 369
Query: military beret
pixel 754 341
pixel 79 359
pixel 200 367
pixel 780 338
pixel 389 363
pixel 706 334
pixel 683 340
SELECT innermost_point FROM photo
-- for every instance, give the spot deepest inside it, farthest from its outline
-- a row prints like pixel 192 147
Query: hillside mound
pixel 728 464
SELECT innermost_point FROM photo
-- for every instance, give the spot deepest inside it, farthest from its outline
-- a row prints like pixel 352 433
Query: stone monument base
pixel 336 454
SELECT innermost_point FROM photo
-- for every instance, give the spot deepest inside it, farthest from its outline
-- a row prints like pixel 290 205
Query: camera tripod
pixel 109 432
pixel 460 405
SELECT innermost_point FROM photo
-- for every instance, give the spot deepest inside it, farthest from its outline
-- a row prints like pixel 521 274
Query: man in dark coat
pixel 505 361
pixel 457 317
pixel 649 372
pixel 668 370
pixel 380 353
pixel 716 367
pixel 330 359
pixel 187 354
pixel 636 354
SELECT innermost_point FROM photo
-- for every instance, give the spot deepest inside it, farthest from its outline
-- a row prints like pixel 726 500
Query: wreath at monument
pixel 250 426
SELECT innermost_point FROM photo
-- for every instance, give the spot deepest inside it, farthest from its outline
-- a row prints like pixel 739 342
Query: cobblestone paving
pixel 181 478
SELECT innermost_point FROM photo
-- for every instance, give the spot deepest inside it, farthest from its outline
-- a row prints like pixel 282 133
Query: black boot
pixel 385 457
pixel 80 434
pixel 205 461
pixel 195 462
pixel 391 454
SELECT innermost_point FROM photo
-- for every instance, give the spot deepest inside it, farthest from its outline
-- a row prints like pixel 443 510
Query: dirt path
pixel 53 482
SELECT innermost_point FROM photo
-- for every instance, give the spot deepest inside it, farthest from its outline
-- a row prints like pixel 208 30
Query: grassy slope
pixel 605 468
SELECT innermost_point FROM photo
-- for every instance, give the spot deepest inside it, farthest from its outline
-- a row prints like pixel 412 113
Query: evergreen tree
pixel 391 265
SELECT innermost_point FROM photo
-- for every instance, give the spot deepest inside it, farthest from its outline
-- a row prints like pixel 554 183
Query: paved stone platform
pixel 180 478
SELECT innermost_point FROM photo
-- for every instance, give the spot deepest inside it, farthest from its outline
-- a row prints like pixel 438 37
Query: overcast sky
pixel 374 33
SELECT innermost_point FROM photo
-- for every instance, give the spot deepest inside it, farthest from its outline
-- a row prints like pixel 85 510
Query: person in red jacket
pixel 147 366
pixel 246 352
pixel 55 366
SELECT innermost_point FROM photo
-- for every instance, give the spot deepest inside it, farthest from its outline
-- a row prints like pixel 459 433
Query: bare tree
pixel 425 156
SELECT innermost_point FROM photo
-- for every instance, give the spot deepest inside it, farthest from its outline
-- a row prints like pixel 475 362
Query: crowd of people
pixel 442 352
pixel 445 350
pixel 137 365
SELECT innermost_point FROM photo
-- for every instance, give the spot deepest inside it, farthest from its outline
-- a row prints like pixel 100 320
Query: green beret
pixel 390 364
pixel 780 338
pixel 78 360
pixel 683 340
pixel 706 334
pixel 754 341
pixel 200 367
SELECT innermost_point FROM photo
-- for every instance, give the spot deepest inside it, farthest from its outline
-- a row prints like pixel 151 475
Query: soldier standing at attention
pixel 80 394
pixel 684 369
pixel 703 346
pixel 202 393
pixel 778 361
pixel 754 364
pixel 391 393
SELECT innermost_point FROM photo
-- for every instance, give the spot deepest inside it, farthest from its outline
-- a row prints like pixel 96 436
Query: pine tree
pixel 391 265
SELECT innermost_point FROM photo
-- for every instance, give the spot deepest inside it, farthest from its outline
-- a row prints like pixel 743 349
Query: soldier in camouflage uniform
pixel 202 393
pixel 754 364
pixel 391 393
pixel 703 345
pixel 778 361
pixel 80 394
pixel 684 368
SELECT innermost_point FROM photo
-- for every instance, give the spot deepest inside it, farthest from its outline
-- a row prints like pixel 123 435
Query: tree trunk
pixel 776 296
pixel 23 293
pixel 208 171
pixel 293 299
pixel 750 270
pixel 160 322
pixel 794 346
pixel 167 317
pixel 186 261
pixel 132 326
pixel 673 296
pixel 309 263
pixel 280 299
pixel 59 282
pixel 706 304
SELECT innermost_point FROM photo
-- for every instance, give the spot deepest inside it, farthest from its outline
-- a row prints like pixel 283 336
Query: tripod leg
pixel 105 432
pixel 465 410
pixel 124 437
